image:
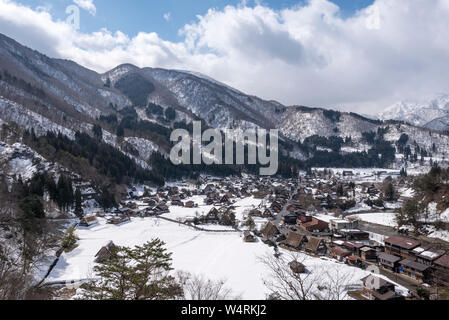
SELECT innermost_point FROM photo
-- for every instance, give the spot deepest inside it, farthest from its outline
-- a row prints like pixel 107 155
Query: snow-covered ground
pixel 382 218
pixel 438 234
pixel 359 207
pixel 216 255
pixel 244 206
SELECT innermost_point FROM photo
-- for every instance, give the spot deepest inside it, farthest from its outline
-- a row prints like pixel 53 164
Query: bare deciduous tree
pixel 197 287
pixel 321 283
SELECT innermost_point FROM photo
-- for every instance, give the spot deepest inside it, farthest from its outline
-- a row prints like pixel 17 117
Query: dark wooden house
pixel 295 241
pixel 375 288
pixel 316 246
pixel 270 230
pixel 400 246
pixel 105 253
pixel 388 261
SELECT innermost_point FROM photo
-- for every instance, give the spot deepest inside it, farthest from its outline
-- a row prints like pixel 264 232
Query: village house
pixel 225 200
pixel 268 213
pixel 118 219
pixel 368 254
pixel 354 261
pixel 151 201
pixel 339 224
pixel 255 213
pixel 428 257
pixel 270 231
pixel 294 207
pixel 415 270
pixel 354 234
pixel 249 237
pixel 348 173
pixel 354 247
pixel 294 241
pixel 312 224
pixel 290 219
pixel 388 261
pixel 440 274
pixel 105 253
pixel 400 246
pixel 316 246
pixel 276 206
pixel 208 189
pixel 191 204
pixel 339 253
pixel 161 208
pixel 385 290
pixel 176 201
pixel 88 221
pixel 212 217
pixel 297 267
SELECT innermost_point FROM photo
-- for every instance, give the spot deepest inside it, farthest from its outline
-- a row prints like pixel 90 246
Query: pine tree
pixel 340 190
pixel 227 216
pixel 64 197
pixel 97 131
pixel 403 172
pixel 120 132
pixel 250 223
pixel 389 192
pixel 140 273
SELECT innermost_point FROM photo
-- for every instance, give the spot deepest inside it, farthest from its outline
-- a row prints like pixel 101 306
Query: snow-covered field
pixel 381 218
pixel 216 255
pixel 245 205
pixel 438 234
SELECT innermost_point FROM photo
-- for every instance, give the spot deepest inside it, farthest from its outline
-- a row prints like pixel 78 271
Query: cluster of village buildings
pixel 294 211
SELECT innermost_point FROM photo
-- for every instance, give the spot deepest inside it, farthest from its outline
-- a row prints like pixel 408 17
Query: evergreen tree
pixel 78 203
pixel 170 114
pixel 120 132
pixel 227 216
pixel 106 199
pixel 98 131
pixel 250 223
pixel 64 193
pixel 352 186
pixel 140 273
pixel 389 192
pixel 403 172
pixel 340 190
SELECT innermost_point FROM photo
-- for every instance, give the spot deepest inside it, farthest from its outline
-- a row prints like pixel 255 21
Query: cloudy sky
pixel 358 55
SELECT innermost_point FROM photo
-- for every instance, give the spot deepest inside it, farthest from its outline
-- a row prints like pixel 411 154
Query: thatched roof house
pixel 270 230
pixel 105 253
pixel 297 267
pixel 295 240
pixel 316 246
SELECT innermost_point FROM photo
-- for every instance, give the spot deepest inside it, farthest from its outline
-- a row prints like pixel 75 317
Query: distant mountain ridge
pixel 433 114
pixel 43 94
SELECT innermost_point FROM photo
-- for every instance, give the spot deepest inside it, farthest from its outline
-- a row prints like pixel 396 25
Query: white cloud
pixel 87 5
pixel 307 54
pixel 167 16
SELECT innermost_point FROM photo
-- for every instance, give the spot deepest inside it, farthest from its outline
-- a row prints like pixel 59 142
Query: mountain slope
pixel 132 107
pixel 432 114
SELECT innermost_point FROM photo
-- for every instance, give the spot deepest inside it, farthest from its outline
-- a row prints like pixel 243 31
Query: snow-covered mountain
pixel 45 94
pixel 433 114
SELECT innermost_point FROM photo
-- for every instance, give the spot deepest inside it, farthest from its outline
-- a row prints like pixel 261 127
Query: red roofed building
pixel 313 224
